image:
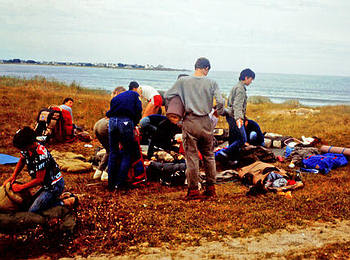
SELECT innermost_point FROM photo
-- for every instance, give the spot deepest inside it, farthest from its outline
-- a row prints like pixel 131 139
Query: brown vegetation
pixel 117 223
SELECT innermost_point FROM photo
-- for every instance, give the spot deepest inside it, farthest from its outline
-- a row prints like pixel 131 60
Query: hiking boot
pixel 97 174
pixel 194 195
pixel 210 191
pixel 104 176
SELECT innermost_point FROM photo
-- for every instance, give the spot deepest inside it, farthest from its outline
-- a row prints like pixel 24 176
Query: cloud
pixel 269 34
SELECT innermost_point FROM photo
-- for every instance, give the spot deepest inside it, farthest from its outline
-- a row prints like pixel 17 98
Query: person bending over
pixel 157 130
pixel 152 96
pixel 101 133
pixel 124 114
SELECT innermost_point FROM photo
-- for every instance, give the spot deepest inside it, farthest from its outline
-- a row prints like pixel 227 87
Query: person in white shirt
pixel 153 97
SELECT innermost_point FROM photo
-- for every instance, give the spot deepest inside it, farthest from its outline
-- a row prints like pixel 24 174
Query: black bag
pixel 170 174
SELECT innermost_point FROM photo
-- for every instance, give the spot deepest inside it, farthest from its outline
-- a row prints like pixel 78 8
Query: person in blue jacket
pixel 124 114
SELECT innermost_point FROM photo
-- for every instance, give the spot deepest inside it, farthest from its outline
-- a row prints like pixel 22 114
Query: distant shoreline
pixel 105 66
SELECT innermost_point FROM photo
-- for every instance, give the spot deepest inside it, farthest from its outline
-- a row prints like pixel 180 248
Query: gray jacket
pixel 237 101
pixel 197 94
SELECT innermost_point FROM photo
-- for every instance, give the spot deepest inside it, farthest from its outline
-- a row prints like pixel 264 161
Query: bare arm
pixel 18 169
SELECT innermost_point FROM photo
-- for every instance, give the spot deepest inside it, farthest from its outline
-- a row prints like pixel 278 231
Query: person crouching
pixel 43 170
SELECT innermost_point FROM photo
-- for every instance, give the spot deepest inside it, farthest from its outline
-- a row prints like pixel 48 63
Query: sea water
pixel 310 90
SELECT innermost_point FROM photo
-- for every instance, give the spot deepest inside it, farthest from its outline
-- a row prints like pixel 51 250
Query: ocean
pixel 310 90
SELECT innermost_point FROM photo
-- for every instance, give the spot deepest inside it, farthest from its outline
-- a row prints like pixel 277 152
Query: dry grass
pixel 155 216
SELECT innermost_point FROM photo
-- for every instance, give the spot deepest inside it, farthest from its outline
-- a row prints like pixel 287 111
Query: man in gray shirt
pixel 236 115
pixel 197 94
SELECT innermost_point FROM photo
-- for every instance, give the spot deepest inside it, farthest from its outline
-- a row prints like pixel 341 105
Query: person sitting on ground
pixel 42 168
pixel 236 115
pixel 157 130
pixel 101 133
pixel 124 114
pixel 152 96
pixel 67 104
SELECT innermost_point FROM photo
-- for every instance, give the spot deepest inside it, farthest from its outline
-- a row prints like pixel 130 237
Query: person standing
pixel 197 93
pixel 124 114
pixel 236 114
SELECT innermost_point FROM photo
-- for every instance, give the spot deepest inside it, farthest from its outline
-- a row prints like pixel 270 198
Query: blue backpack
pixel 325 162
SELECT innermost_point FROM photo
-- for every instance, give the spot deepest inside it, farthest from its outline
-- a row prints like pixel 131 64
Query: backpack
pixel 325 162
pixel 55 124
pixel 137 172
pixel 255 175
pixel 169 174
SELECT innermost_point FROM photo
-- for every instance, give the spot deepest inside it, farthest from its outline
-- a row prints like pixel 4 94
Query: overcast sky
pixel 277 36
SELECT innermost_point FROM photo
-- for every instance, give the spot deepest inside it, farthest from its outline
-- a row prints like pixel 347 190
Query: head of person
pixel 181 75
pixel 117 91
pixel 24 138
pixel 133 85
pixel 68 101
pixel 202 65
pixel 247 76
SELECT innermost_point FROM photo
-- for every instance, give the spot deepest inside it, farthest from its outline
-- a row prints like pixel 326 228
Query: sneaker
pixel 97 174
pixel 194 195
pixel 104 176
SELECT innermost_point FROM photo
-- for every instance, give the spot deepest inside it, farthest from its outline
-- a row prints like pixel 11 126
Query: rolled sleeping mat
pixel 335 149
pixel 175 108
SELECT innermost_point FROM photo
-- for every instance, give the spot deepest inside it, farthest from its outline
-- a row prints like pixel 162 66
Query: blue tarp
pixel 8 159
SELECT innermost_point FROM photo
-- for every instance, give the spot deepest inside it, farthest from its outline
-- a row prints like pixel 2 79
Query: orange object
pixel 335 149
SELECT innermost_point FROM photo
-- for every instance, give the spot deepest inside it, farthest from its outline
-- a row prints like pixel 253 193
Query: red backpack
pixel 55 124
pixel 137 172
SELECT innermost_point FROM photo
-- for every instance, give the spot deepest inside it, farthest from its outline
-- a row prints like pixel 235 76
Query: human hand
pixel 239 122
pixel 16 187
pixel 7 181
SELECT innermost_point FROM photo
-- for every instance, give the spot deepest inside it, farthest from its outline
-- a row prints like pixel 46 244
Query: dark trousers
pixel 237 137
pixel 258 137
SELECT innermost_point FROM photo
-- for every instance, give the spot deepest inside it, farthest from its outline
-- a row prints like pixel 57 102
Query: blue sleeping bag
pixel 325 162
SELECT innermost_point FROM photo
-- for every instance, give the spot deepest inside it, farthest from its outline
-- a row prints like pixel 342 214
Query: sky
pixel 271 36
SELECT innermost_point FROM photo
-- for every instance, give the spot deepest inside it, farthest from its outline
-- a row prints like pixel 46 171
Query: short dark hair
pixel 202 63
pixel 24 137
pixel 133 84
pixel 246 73
pixel 67 99
pixel 181 75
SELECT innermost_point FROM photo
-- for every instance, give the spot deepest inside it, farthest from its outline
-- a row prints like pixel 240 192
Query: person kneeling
pixel 43 170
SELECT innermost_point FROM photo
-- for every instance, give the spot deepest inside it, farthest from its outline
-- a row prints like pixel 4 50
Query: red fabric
pixel 182 151
pixel 157 100
pixel 291 182
pixel 67 127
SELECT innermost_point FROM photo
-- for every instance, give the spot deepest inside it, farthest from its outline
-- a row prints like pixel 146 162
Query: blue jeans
pixel 121 131
pixel 237 137
pixel 47 198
